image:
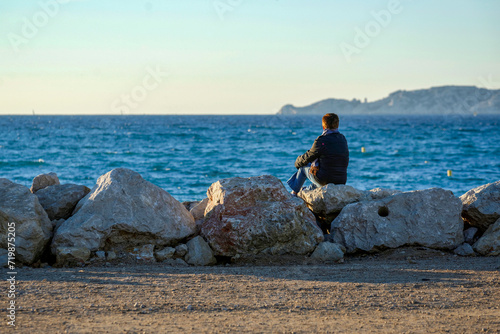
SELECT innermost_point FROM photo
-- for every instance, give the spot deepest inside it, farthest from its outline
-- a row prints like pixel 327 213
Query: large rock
pixel 199 252
pixel 123 211
pixel 429 218
pixel 482 205
pixel 59 201
pixel 44 180
pixel 329 200
pixel 33 228
pixel 489 243
pixel 326 202
pixel 249 216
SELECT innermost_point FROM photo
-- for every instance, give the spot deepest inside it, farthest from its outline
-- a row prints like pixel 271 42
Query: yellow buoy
pixel 449 172
pixel 363 150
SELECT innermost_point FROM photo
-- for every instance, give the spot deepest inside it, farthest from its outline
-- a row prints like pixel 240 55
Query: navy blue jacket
pixel 333 154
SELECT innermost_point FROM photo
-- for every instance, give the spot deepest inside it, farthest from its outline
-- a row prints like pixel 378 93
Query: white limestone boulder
pixel 331 199
pixel 429 218
pixel 124 211
pixel 33 228
pixel 482 205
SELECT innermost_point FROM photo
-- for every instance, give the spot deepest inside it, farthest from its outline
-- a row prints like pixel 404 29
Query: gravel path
pixel 399 291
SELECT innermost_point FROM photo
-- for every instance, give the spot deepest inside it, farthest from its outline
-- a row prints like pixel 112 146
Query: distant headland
pixel 463 100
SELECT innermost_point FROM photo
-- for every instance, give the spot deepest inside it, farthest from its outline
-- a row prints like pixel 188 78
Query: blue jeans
pixel 297 180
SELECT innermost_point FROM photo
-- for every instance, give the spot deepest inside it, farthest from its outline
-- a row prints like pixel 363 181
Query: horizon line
pixel 275 114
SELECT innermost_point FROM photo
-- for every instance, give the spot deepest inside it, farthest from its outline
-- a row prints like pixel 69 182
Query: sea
pixel 186 154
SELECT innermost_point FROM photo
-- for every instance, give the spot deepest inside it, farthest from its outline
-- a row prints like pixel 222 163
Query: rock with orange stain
pixel 257 215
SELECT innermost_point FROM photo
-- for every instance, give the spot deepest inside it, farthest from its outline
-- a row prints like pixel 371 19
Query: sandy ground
pixel 401 291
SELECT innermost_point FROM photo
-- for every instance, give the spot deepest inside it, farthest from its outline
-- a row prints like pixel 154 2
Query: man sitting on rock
pixel 326 161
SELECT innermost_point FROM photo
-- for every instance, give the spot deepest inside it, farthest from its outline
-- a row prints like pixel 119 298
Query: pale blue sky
pixel 235 56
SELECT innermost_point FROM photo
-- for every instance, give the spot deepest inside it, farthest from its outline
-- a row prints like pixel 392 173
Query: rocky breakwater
pixel 125 217
pixel 123 212
pixel 257 216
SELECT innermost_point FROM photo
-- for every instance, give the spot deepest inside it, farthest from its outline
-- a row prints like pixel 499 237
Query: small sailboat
pixel 33 112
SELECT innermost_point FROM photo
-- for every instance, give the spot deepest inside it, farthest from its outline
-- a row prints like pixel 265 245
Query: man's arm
pixel 309 156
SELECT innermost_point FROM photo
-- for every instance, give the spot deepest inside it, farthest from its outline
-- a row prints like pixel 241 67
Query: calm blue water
pixel 185 154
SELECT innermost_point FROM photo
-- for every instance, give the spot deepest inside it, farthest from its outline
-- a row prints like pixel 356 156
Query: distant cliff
pixel 435 100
